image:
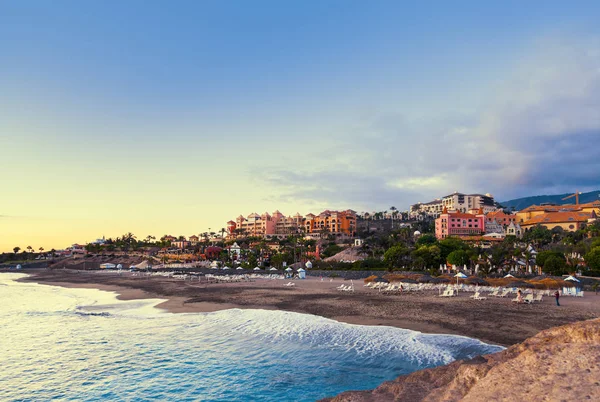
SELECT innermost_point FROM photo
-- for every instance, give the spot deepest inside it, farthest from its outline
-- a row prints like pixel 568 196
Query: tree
pixel 396 256
pixel 41 249
pixel 427 256
pixel 554 265
pixel 426 240
pixel 544 255
pixel 29 249
pixel 458 258
pixel 592 259
pixel 16 249
pixel 450 244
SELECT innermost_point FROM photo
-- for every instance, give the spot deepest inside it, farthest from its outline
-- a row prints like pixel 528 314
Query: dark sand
pixel 494 320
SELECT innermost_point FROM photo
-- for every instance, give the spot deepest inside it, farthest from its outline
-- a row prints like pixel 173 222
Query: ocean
pixel 85 345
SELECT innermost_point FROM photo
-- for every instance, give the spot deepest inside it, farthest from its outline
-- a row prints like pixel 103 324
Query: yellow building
pixel 537 210
pixel 569 221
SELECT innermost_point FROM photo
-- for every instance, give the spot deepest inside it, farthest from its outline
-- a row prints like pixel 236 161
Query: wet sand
pixel 494 320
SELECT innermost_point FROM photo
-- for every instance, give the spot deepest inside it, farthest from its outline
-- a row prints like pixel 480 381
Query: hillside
pixel 559 364
pixel 521 203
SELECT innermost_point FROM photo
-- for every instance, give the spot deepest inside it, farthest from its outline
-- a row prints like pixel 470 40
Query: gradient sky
pixel 173 117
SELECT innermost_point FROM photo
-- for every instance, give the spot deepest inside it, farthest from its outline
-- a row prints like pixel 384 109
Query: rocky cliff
pixel 559 364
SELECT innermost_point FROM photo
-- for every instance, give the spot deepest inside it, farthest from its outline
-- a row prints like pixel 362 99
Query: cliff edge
pixel 558 364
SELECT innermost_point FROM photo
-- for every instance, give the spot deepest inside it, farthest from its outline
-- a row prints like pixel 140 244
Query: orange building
pixel 334 222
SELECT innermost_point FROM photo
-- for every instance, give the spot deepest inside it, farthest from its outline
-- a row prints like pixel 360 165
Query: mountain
pixel 521 203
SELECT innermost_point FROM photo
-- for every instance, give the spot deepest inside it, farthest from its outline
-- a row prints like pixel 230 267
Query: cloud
pixel 537 133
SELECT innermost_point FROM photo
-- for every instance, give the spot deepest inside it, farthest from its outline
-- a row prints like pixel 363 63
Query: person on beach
pixel 519 296
pixel 557 295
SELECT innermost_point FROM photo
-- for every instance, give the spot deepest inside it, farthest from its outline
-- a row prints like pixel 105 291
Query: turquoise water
pixel 84 344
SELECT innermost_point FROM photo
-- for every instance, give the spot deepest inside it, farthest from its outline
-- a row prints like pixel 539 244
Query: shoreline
pixel 496 321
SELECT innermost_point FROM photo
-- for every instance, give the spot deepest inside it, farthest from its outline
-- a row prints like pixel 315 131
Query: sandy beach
pixel 497 321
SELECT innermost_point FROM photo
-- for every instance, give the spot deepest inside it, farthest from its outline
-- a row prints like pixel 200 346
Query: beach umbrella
pixel 381 280
pixel 508 276
pixel 439 280
pixel 473 280
pixel 458 276
pixel 288 269
pixel 407 280
pixel 308 265
pixel 238 268
pixel 18 266
pixel 119 266
pixel 572 278
pixel 257 269
pixel 424 279
pixel 226 267
pixel 273 269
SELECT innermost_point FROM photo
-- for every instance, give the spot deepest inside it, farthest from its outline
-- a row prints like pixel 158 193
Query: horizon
pixel 173 119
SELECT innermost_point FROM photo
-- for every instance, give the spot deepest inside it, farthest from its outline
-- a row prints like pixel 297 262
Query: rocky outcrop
pixel 558 364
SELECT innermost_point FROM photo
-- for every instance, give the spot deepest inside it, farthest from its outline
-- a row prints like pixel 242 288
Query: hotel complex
pixel 339 223
pixel 459 202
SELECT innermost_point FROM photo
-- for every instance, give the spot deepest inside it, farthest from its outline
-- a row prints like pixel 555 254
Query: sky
pixel 175 117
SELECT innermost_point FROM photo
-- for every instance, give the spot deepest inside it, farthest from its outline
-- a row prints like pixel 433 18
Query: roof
pixel 559 217
pixel 461 215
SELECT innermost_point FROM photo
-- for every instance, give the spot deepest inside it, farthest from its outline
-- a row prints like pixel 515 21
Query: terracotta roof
pixel 461 215
pixel 559 217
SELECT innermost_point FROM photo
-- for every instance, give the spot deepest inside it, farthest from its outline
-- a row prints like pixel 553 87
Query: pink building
pixel 459 224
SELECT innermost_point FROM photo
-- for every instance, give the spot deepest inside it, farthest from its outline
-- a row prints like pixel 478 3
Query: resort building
pixel 466 202
pixel 433 208
pixel 500 217
pixel 459 224
pixel 537 210
pixel 194 240
pixel 277 224
pixel 567 220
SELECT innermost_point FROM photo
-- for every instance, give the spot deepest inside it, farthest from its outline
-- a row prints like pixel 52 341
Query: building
pixel 180 244
pixel 501 217
pixel 514 229
pixel 194 240
pixel 331 222
pixel 537 210
pixel 277 224
pixel 466 202
pixel 459 224
pixel 433 208
pixel 567 220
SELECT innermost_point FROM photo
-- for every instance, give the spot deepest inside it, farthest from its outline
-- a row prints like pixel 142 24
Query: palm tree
pixel 29 249
pixel 222 233
pixel 16 249
pixel 41 249
pixel 393 209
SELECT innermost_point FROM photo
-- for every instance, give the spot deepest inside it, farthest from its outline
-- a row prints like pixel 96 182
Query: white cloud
pixel 538 133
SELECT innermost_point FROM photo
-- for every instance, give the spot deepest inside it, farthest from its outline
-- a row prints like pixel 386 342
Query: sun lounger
pixel 494 293
pixel 504 293
pixel 528 299
pixel 538 297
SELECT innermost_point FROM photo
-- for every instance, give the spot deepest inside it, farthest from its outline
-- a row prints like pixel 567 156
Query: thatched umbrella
pixel 439 280
pixel 520 284
pixel 424 279
pixel 473 280
pixel 408 281
pixel 381 280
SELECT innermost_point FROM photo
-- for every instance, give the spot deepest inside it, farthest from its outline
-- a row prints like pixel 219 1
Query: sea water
pixel 84 344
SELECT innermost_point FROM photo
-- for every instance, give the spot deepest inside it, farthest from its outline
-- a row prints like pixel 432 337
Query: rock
pixel 561 363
